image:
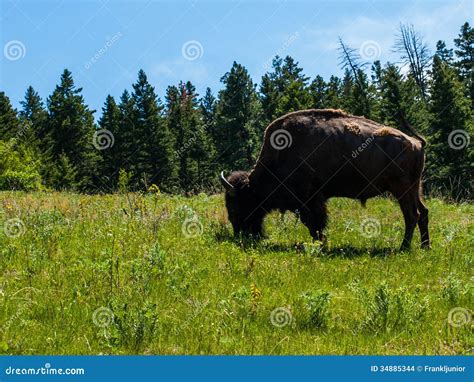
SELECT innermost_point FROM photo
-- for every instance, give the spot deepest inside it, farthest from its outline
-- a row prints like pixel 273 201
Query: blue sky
pixel 105 43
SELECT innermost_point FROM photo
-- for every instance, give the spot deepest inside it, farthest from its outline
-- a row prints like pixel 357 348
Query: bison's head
pixel 244 212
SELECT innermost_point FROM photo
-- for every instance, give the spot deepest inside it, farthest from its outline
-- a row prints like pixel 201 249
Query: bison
pixel 309 156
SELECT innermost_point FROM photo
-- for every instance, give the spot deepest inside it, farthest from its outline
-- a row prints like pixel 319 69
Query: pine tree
pixel 361 95
pixel 33 117
pixel 317 90
pixel 193 147
pixel 376 90
pixel 9 124
pixel 71 129
pixel 271 88
pixel 154 144
pixel 285 89
pixel 332 96
pixel 294 95
pixel 347 101
pixel 356 87
pixel 208 105
pixel 391 95
pixel 443 52
pixel 376 72
pixel 238 120
pixel 63 175
pixel 450 114
pixel 125 142
pixel 465 50
pixel 465 54
pixel 414 106
pixel 110 122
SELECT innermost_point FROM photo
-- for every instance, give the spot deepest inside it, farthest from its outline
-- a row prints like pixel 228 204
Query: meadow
pixel 160 274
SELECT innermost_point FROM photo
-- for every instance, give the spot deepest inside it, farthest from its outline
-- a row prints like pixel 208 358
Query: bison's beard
pixel 248 222
pixel 251 225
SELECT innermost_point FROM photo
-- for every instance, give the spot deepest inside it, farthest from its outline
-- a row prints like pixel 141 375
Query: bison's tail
pixel 363 202
pixel 410 128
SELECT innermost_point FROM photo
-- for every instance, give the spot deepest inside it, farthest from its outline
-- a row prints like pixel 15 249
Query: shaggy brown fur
pixel 352 127
pixel 332 154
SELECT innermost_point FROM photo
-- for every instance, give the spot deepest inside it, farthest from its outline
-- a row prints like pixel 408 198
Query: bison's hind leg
pixel 423 222
pixel 409 206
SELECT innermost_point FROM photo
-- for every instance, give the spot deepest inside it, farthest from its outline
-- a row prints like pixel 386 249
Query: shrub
pixel 388 310
pixel 20 180
pixel 452 289
pixel 315 309
pixel 18 169
pixel 134 324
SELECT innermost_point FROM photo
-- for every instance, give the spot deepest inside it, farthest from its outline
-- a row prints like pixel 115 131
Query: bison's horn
pixel 225 182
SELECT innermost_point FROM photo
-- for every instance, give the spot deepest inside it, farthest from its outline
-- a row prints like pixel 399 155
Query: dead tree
pixel 415 53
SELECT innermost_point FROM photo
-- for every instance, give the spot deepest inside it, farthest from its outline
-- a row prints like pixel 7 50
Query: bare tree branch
pixel 415 53
pixel 349 58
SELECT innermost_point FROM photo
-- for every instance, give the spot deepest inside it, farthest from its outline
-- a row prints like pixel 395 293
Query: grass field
pixel 155 274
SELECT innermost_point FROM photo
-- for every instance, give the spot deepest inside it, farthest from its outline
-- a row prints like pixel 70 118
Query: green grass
pixel 125 263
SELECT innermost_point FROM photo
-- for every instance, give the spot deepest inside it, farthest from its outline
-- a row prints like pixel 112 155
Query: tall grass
pixel 158 274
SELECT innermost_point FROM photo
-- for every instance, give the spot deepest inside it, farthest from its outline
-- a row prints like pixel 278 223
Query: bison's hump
pixel 315 116
pixel 317 113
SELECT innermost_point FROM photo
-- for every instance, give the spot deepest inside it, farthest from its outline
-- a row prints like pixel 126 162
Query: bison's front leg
pixel 315 218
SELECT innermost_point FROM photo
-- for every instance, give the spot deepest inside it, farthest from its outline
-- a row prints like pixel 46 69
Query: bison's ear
pixel 228 187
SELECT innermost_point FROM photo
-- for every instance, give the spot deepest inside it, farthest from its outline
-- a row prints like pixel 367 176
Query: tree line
pixel 180 143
